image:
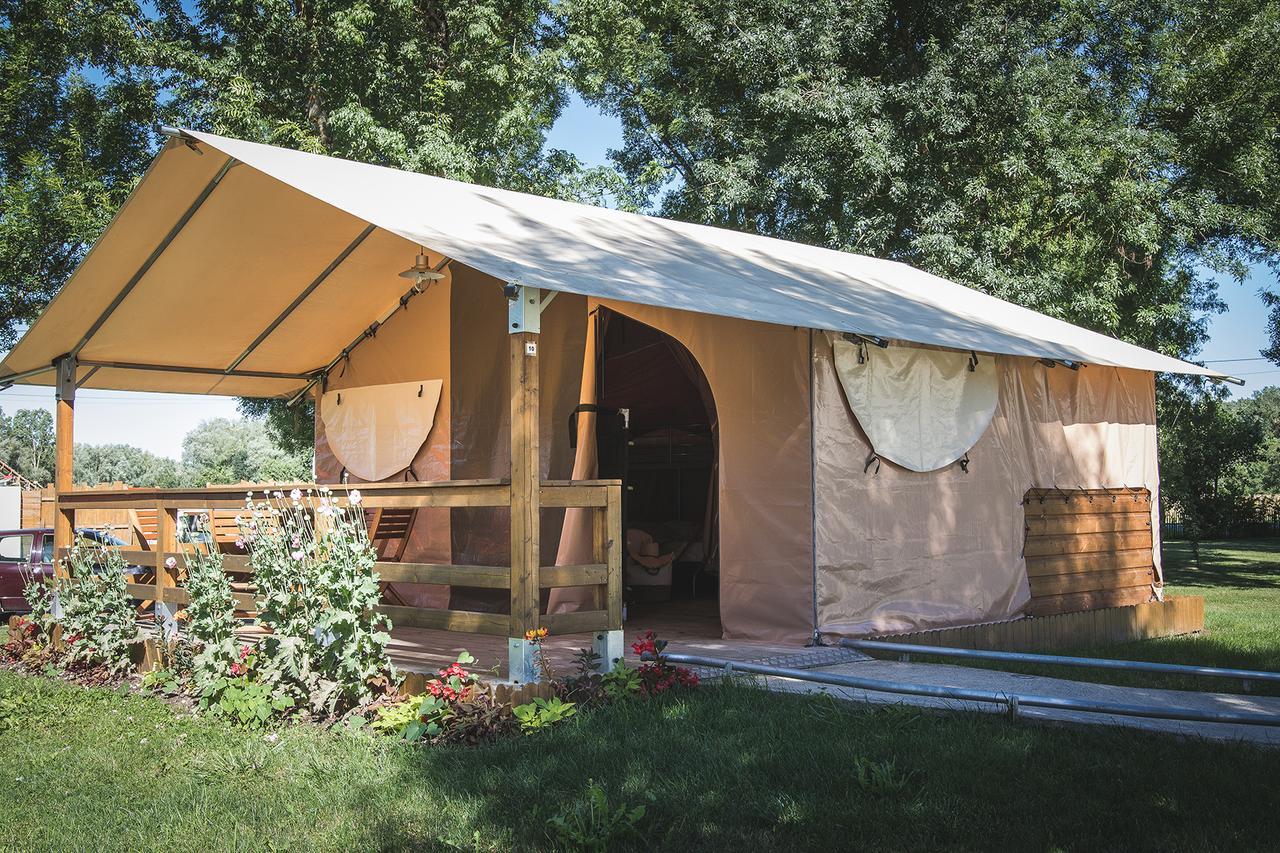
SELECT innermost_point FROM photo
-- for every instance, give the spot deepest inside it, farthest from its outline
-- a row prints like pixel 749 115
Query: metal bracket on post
pixel 521 668
pixel 608 645
pixel 524 312
pixel 66 378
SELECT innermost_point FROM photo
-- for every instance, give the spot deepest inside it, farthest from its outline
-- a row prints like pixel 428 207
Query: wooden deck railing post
pixel 166 579
pixel 64 443
pixel 608 550
pixel 523 326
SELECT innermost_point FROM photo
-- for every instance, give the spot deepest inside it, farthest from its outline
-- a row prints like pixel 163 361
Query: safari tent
pixel 815 442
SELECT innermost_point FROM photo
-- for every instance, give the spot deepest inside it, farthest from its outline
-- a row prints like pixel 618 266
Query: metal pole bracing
pixel 1012 701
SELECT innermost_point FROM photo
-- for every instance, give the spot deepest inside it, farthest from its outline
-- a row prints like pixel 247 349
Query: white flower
pixel 171 563
pixel 295 495
pixel 272 738
pixel 297 555
pixel 324 509
pixel 354 497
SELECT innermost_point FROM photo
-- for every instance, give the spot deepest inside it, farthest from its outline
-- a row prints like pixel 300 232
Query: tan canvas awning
pixel 243 269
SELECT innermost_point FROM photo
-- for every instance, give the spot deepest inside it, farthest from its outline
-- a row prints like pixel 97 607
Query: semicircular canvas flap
pixel 920 408
pixel 376 430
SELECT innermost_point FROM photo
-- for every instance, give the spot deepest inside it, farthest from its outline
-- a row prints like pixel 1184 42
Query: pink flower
pixel 236 669
pixel 297 555
pixel 240 543
pixel 171 563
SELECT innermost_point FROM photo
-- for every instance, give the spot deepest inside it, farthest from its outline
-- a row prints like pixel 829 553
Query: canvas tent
pixel 858 487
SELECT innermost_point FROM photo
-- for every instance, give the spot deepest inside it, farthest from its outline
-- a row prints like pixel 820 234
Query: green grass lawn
pixel 1240 582
pixel 721 768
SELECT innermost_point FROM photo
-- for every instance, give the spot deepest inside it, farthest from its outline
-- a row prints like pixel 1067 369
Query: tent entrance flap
pixel 656 431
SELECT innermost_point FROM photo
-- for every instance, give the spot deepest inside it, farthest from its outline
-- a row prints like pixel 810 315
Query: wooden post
pixel 166 547
pixel 608 550
pixel 524 313
pixel 524 484
pixel 64 445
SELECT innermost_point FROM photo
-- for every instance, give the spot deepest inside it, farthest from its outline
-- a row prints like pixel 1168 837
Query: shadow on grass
pixel 735 767
pixel 1244 564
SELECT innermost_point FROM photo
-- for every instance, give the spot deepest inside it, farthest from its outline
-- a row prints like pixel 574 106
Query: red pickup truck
pixel 29 549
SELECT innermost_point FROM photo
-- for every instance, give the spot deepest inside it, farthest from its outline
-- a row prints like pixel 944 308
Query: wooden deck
pixel 691 626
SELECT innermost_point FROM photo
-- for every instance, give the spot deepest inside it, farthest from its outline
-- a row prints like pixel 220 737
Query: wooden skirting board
pixel 1182 614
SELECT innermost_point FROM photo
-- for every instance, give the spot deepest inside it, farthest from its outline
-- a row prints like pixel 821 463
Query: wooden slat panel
pixel 467 621
pixel 1085 543
pixel 577 622
pixel 1055 505
pixel 1051 525
pixel 1091 581
pixel 590 574
pixel 1067 563
pixel 1089 600
pixel 487 577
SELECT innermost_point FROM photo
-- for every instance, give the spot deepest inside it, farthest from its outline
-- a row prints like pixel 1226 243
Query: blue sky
pixel 158 422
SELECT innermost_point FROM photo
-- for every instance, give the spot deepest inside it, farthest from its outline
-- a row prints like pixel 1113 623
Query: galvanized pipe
pixel 1062 660
pixel 1011 701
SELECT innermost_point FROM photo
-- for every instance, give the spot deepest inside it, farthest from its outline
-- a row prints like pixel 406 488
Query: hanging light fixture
pixel 421 271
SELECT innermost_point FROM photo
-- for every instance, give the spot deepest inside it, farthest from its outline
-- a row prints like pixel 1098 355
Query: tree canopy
pixel 1097 161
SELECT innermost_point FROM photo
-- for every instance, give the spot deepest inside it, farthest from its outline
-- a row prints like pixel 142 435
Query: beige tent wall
pixel 481 414
pixel 899 550
pixel 412 345
pixel 759 377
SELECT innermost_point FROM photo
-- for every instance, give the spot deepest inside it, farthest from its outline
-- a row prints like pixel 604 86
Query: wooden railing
pixel 601 497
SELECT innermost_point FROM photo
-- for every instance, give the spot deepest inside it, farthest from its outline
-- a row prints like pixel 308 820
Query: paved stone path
pixel 996 681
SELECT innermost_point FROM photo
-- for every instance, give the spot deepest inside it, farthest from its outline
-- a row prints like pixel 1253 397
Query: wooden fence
pixel 165 506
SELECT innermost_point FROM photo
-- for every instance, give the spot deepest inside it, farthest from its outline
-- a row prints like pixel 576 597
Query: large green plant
pixel 318 595
pixel 211 622
pixel 98 620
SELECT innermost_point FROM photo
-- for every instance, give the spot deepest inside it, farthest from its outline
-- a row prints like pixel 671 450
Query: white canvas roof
pixel 280 216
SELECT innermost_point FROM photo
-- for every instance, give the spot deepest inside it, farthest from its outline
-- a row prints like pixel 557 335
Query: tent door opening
pixel 656 431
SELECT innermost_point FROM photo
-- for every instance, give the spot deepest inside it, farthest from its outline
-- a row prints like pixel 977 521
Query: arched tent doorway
pixel 656 430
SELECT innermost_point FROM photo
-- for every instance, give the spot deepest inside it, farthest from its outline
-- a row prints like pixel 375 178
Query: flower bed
pixel 323 657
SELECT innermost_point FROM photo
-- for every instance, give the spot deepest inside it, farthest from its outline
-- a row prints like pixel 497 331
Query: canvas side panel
pixel 414 344
pixel 900 550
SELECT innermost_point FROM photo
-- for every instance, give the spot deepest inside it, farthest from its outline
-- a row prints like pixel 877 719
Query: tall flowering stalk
pixel 211 615
pixel 314 567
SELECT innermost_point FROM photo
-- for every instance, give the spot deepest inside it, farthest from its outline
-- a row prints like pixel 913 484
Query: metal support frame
pixel 608 645
pixel 1011 702
pixel 1062 660
pixel 65 387
pixel 203 371
pixel 524 309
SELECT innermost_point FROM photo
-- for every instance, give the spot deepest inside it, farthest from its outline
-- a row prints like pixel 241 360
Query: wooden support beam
pixel 525 485
pixel 166 579
pixel 64 446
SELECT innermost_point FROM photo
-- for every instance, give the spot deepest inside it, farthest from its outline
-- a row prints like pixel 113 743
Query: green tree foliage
pixel 79 100
pixel 1207 448
pixel 27 443
pixel 1095 161
pixel 222 450
pixel 123 463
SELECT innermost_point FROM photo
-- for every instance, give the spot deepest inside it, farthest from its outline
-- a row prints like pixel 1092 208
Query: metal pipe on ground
pixel 1061 660
pixel 1010 701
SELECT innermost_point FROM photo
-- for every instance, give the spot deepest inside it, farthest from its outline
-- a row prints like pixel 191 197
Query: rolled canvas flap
pixel 921 408
pixel 376 430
